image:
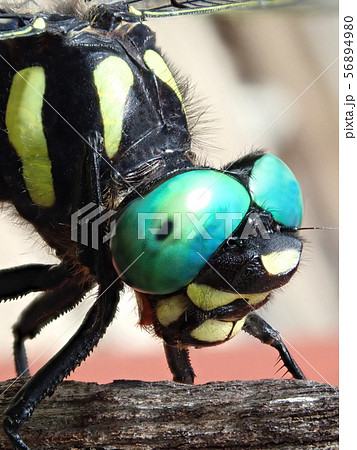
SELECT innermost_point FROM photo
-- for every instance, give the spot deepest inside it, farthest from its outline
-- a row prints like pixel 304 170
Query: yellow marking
pixel 135 11
pixel 39 24
pixel 237 327
pixel 254 299
pixel 17 32
pixel 25 132
pixel 206 298
pixel 171 309
pixel 155 62
pixel 278 263
pixel 113 79
pixel 212 330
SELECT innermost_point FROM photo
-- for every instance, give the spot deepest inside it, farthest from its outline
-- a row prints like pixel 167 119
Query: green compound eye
pixel 159 238
pixel 274 188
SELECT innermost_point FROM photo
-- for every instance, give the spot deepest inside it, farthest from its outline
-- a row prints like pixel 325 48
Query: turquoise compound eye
pixel 163 239
pixel 274 188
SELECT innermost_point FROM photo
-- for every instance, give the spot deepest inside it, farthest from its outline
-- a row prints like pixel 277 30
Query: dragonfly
pixel 113 143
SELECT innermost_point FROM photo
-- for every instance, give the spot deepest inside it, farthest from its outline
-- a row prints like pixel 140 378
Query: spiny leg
pixel 44 382
pixel 259 328
pixel 45 308
pixel 18 281
pixel 21 280
pixel 179 363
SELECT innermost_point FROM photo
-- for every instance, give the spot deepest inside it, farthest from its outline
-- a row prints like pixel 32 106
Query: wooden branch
pixel 277 414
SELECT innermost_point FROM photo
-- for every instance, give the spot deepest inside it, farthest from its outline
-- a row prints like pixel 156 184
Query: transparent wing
pixel 151 8
pixel 165 8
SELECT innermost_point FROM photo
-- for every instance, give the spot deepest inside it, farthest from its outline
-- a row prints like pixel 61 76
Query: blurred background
pixel 264 79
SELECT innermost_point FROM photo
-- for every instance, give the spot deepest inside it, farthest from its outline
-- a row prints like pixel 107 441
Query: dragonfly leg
pixel 18 281
pixel 44 382
pixel 179 363
pixel 45 308
pixel 259 328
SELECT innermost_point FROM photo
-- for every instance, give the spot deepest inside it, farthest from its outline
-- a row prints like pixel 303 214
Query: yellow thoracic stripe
pixel 155 62
pixel 25 132
pixel 113 79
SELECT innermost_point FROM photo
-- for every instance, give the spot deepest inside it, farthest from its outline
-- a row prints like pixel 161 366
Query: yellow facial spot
pixel 213 330
pixel 113 79
pixel 170 309
pixel 155 62
pixel 25 132
pixel 206 298
pixel 237 327
pixel 279 263
pixel 254 299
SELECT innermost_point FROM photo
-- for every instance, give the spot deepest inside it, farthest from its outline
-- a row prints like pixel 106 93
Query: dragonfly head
pixel 167 237
pixel 207 237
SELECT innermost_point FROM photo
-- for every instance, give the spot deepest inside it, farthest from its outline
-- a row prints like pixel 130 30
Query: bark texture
pixel 278 414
